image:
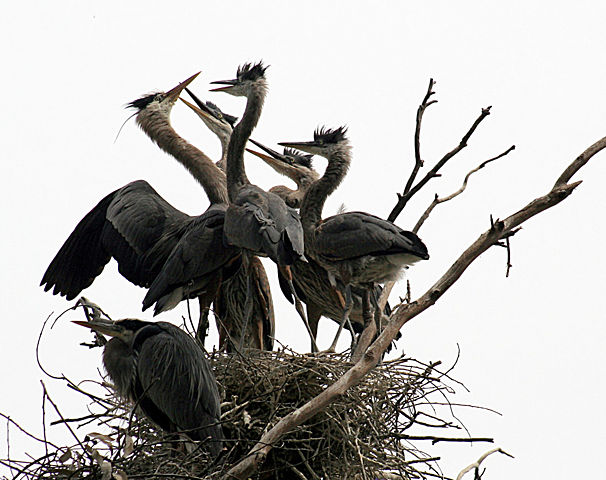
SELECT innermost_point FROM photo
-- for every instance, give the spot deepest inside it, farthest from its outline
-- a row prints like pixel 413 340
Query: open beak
pixel 201 105
pixel 173 94
pixel 201 113
pixel 275 155
pixel 105 327
pixel 230 84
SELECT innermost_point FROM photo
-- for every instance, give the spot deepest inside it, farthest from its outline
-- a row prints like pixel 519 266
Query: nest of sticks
pixel 365 434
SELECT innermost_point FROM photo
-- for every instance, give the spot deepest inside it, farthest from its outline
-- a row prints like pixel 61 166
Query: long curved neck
pixel 157 127
pixel 236 175
pixel 314 199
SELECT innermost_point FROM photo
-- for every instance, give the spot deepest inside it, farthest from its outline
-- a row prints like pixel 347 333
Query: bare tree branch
pixel 420 111
pixel 404 198
pixel 477 464
pixel 406 312
pixel 436 201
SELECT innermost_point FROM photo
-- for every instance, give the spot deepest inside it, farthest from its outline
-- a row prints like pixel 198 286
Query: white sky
pixel 532 346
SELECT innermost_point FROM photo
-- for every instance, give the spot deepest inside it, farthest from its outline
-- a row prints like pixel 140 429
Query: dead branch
pixel 406 312
pixel 409 191
pixel 436 201
pixel 420 111
pixel 476 465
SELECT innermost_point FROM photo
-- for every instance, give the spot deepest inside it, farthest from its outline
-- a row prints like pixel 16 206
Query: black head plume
pixel 303 159
pixel 251 72
pixel 143 102
pixel 327 135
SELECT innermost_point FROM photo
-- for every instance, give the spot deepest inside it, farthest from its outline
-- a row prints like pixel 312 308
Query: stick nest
pixel 363 435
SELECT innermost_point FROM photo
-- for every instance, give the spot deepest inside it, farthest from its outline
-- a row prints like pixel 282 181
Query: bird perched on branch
pixel 163 371
pixel 355 247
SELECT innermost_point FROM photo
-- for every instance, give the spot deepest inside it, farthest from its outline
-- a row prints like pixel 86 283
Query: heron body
pixel 163 371
pixel 357 248
pixel 311 281
pixel 257 221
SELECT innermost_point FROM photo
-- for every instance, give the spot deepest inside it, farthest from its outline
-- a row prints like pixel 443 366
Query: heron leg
pixel 299 307
pixel 345 318
pixel 248 304
pixel 349 325
pixel 313 317
pixel 370 327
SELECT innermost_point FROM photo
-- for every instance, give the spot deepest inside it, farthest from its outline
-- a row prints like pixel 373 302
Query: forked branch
pixel 436 201
pixel 499 230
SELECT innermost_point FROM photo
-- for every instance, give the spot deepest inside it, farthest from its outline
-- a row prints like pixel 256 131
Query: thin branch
pixel 403 199
pixel 477 464
pixel 436 201
pixel 501 229
pixel 420 111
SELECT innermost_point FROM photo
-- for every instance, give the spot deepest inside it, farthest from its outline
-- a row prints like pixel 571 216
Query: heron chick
pixel 166 374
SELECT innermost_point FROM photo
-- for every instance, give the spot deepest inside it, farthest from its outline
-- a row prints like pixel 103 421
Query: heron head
pixel 221 124
pixel 325 142
pixel 248 78
pixel 295 165
pixel 124 330
pixel 161 100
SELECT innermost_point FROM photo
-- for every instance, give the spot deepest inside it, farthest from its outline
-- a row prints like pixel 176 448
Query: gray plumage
pixel 310 280
pixel 163 370
pixel 355 247
pixel 256 221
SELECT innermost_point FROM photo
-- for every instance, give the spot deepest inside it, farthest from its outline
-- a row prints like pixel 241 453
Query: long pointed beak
pixel 273 153
pixel 105 327
pixel 302 146
pixel 279 163
pixel 199 102
pixel 201 113
pixel 174 93
pixel 230 84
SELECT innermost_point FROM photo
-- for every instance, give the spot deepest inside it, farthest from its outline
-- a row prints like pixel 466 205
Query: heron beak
pixel 173 94
pixel 308 147
pixel 105 327
pixel 230 84
pixel 201 113
pixel 201 105
pixel 273 153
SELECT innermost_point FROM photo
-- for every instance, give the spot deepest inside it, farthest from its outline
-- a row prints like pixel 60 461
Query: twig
pixel 420 111
pixel 436 201
pixel 476 465
pixel 404 198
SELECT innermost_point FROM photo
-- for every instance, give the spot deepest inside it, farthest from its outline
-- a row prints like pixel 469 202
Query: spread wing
pixel 195 260
pixel 133 224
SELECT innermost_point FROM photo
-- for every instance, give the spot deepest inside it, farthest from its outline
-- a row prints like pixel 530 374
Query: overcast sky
pixel 532 345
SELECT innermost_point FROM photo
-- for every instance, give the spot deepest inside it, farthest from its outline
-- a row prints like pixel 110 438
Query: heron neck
pixel 236 174
pixel 157 126
pixel 314 199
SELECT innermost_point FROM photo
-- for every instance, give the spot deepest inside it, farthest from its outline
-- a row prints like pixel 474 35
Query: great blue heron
pixel 164 372
pixel 356 247
pixel 257 221
pixel 230 301
pixel 218 122
pixel 229 291
pixel 295 165
pixel 156 246
pixel 310 280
